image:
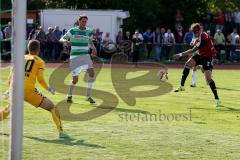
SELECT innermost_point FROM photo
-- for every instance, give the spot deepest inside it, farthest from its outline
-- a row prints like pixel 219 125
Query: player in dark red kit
pixel 206 53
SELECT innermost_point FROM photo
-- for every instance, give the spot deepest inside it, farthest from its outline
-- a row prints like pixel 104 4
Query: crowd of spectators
pixel 155 44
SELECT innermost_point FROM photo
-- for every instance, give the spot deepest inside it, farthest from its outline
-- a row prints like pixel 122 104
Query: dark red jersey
pixel 205 45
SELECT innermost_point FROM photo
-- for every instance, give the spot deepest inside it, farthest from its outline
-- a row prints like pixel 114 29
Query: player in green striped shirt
pixel 194 72
pixel 80 39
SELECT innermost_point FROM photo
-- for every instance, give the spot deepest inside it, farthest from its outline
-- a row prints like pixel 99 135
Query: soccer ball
pixel 162 74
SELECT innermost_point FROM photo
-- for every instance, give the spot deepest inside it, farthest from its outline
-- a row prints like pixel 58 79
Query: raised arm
pixel 66 38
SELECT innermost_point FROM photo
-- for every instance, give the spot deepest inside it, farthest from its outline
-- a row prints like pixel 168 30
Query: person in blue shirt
pixel 148 41
pixel 188 37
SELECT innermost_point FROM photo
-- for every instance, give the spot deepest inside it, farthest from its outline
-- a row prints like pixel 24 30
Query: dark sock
pixel 214 89
pixel 185 74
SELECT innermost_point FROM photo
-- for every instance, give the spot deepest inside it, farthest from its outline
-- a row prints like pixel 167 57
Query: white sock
pixel 90 86
pixel 71 89
pixel 194 78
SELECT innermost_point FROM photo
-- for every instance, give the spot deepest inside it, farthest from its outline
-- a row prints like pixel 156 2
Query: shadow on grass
pixel 200 122
pixel 122 109
pixel 130 110
pixel 228 89
pixel 66 141
pixel 220 108
pixel 230 109
pixel 199 108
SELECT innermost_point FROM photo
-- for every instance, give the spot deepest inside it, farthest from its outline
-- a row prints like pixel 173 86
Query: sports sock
pixel 89 86
pixel 71 89
pixel 56 119
pixel 185 74
pixel 4 113
pixel 214 89
pixel 194 77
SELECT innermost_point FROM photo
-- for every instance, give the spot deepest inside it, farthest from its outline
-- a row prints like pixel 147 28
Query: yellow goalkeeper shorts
pixel 33 96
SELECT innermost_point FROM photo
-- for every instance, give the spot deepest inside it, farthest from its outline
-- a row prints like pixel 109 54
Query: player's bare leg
pixel 91 79
pixel 70 93
pixel 189 64
pixel 208 77
pixel 49 106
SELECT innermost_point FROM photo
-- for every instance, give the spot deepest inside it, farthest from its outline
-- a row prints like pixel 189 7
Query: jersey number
pixel 28 66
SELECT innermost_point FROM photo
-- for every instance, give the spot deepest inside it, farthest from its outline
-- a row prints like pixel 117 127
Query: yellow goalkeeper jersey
pixel 34 67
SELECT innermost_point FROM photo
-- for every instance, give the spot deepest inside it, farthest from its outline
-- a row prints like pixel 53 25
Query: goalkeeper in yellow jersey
pixel 34 68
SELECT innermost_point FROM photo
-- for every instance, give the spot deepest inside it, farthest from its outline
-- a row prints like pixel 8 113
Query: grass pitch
pixel 171 125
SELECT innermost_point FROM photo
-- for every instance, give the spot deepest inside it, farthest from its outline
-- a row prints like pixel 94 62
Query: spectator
pixel 169 41
pixel 1 35
pixel 107 43
pixel 229 21
pixel 41 37
pixel 32 34
pixel 1 38
pixel 65 53
pixel 179 37
pixel 163 31
pixel 58 34
pixel 119 38
pixel 7 43
pixel 148 40
pixel 228 47
pixel 237 20
pixel 207 18
pixel 64 31
pixel 236 53
pixel 233 36
pixel 210 35
pixel 136 47
pixel 178 18
pixel 219 19
pixel 51 43
pixel 107 39
pixel 140 35
pixel 157 44
pixel 127 36
pixel 8 31
pixel 219 42
pixel 97 37
pixel 128 39
pixel 188 36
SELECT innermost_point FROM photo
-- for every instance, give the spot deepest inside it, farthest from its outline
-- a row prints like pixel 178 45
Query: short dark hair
pixel 33 46
pixel 195 27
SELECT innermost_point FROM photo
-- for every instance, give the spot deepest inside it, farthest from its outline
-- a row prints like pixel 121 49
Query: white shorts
pixel 80 63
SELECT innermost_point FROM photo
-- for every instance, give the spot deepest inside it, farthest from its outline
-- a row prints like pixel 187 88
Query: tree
pixel 146 13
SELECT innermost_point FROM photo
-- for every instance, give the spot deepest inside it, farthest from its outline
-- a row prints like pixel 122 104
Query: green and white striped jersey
pixel 79 40
pixel 196 52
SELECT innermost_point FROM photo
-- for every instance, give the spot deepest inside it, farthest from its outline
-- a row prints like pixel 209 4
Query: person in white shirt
pixel 169 40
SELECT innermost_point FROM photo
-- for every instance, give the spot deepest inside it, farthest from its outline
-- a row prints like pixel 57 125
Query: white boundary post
pixel 17 93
